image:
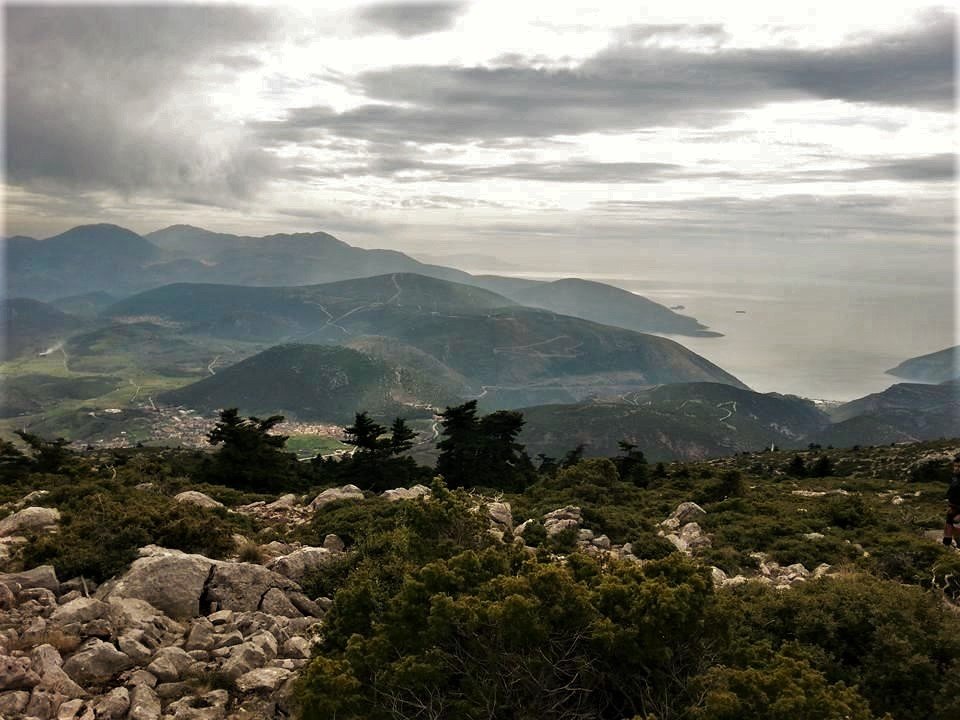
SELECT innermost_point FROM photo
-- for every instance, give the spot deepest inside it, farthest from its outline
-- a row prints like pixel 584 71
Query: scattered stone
pixel 686 512
pixel 347 492
pixel 296 647
pixel 80 610
pixel 500 514
pixel 201 635
pixel 70 709
pixel 602 542
pixel 144 704
pixel 194 497
pixel 170 581
pixel 275 602
pixel 13 703
pixel 39 577
pixel 16 674
pixel 298 563
pixel 98 661
pixel 413 493
pixel 113 705
pixel 265 679
pixel 334 544
pixel 170 664
pixel 31 519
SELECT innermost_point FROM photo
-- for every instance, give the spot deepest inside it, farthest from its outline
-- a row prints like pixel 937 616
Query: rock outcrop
pixel 119 656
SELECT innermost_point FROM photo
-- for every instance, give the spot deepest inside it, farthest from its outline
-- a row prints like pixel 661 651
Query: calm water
pixel 827 339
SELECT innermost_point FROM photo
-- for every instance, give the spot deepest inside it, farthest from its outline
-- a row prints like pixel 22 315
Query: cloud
pixel 409 19
pixel 927 168
pixel 106 98
pixel 633 85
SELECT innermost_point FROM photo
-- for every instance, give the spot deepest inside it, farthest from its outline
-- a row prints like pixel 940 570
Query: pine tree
pixel 364 434
pixel 401 437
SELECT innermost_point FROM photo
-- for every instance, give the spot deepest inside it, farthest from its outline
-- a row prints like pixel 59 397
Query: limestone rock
pixel 96 662
pixel 70 709
pixel 500 514
pixel 39 577
pixel 194 497
pixel 347 492
pixel 12 704
pixel 267 679
pixel 687 512
pixel 113 705
pixel 562 519
pixel 417 491
pixel 242 659
pixel 80 610
pixel 170 581
pixel 275 602
pixel 201 635
pixel 298 563
pixel 31 519
pixel 333 543
pixel 46 661
pixel 144 704
pixel 170 664
pixel 241 586
pixel 296 647
pixel 16 674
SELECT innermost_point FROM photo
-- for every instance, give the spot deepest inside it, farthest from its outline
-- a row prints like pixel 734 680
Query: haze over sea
pixel 829 339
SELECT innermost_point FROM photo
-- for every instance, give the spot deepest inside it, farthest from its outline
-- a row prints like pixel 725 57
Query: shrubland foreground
pixel 160 583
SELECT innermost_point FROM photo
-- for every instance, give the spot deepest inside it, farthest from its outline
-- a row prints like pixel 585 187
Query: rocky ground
pixel 185 637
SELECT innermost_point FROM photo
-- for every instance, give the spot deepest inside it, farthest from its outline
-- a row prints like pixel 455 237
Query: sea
pixel 826 340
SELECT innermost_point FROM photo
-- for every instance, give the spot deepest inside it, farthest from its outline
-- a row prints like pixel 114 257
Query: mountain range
pixel 110 259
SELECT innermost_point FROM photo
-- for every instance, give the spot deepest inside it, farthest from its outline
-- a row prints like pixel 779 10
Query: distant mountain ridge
pixel 105 258
pixel 935 367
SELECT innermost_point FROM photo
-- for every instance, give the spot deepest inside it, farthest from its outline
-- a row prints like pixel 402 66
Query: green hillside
pixel 31 394
pixel 29 326
pixel 936 367
pixel 904 412
pixel 522 346
pixel 325 313
pixel 306 382
pixel 609 305
pixel 683 421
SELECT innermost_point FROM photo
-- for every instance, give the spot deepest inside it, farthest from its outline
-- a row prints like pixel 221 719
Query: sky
pixel 773 136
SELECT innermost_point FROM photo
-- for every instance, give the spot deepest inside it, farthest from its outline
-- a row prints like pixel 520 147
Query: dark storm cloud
pixel 633 85
pixel 409 19
pixel 90 99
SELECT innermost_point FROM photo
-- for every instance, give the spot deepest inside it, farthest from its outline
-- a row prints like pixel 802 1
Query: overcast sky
pixel 505 127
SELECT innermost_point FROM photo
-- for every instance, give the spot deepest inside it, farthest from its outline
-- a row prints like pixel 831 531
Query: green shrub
pixel 102 528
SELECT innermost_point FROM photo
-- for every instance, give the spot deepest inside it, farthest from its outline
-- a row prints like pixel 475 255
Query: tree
pixel 460 445
pixel 401 437
pixel 13 463
pixel 364 434
pixel 631 465
pixel 483 451
pixel 250 457
pixel 49 456
pixel 573 456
